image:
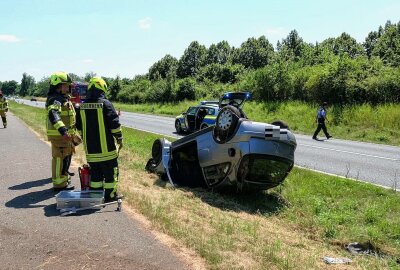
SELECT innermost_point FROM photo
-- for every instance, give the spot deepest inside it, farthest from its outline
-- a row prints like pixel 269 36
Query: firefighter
pixel 100 128
pixel 60 129
pixel 3 109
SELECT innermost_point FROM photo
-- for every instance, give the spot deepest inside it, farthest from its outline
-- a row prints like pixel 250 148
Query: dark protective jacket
pixel 99 123
pixel 60 115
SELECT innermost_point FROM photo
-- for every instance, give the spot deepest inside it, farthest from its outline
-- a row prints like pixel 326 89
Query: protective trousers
pixel 3 117
pixel 61 152
pixel 104 175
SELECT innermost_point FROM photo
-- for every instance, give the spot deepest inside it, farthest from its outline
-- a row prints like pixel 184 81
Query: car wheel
pixel 226 123
pixel 156 156
pixel 178 126
pixel 280 123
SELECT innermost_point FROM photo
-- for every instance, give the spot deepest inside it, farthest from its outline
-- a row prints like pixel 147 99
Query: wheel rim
pixel 225 120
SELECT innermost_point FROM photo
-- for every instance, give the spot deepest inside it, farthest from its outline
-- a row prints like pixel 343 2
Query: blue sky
pixel 126 37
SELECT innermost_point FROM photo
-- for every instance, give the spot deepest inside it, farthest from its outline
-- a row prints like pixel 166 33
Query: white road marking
pixel 349 152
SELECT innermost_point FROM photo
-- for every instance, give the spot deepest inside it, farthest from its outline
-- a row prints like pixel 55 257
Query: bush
pixel 226 73
pixel 186 89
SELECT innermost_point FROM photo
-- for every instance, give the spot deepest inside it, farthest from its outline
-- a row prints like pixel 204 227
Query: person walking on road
pixel 320 120
pixel 60 126
pixel 100 127
pixel 3 109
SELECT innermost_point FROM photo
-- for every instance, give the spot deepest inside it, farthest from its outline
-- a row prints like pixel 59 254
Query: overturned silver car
pixel 236 151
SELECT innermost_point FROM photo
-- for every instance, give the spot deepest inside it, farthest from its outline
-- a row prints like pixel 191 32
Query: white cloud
pixel 276 31
pixel 9 38
pixel 145 23
pixel 88 61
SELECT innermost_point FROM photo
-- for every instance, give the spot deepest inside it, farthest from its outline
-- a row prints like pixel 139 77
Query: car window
pixel 210 111
pixel 191 110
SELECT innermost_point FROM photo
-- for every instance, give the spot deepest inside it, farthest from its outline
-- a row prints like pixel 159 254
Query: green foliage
pixel 134 92
pixel 388 45
pixel 225 73
pixel 254 53
pixel 164 68
pixel 27 84
pixel 114 87
pixel 9 87
pixel 41 88
pixel 219 54
pixel 192 60
pixel 292 48
pixel 186 90
pixel 338 70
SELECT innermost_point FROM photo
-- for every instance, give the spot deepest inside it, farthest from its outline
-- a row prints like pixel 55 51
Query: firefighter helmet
pixel 97 83
pixel 60 77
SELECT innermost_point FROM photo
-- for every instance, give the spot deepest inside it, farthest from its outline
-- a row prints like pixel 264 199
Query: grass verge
pixel 292 227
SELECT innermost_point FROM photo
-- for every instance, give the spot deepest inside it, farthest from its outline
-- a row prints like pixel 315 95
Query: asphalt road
pixel 34 236
pixel 374 163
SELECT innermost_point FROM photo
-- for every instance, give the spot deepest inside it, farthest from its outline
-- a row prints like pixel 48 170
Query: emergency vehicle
pixel 78 92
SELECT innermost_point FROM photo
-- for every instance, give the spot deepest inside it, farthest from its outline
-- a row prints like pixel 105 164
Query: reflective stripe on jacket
pixel 99 123
pixel 60 116
pixel 3 104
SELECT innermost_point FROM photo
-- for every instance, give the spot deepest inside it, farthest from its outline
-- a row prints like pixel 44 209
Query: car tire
pixel 280 123
pixel 178 127
pixel 156 156
pixel 226 124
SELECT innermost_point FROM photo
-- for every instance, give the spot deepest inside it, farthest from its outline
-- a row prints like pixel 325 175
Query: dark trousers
pixel 321 125
pixel 66 164
pixel 104 175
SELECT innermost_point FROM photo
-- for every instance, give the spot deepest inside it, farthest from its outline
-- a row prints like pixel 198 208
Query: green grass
pixel 291 227
pixel 379 124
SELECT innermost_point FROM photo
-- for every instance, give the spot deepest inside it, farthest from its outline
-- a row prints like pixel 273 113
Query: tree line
pixel 338 70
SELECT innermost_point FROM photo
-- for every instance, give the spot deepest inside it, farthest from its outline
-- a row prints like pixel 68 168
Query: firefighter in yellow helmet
pixel 60 124
pixel 99 123
pixel 3 109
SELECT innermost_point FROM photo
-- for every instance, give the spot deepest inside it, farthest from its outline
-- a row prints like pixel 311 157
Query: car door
pixel 190 118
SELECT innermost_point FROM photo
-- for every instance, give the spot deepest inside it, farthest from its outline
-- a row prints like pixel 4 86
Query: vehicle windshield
pixel 210 111
pixel 191 110
pixel 235 99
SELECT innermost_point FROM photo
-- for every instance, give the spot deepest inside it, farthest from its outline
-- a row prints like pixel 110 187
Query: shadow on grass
pixel 228 198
